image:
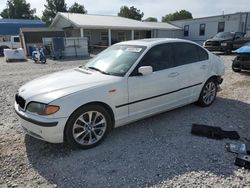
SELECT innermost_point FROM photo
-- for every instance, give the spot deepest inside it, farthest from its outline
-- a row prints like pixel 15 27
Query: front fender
pixel 112 95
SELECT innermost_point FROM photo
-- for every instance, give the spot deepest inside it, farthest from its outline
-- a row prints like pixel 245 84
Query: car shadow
pixel 146 152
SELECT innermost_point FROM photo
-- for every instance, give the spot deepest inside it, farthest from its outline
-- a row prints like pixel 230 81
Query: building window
pixel 137 35
pixel 121 36
pixel 221 26
pixel 87 34
pixel 202 29
pixel 186 30
pixel 104 36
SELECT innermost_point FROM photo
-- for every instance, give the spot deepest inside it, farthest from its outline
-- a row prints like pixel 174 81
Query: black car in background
pixel 226 42
pixel 242 60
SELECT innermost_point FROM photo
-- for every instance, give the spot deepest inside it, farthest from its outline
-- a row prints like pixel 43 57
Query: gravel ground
pixel 155 152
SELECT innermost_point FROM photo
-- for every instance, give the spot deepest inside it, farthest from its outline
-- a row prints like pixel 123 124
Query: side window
pixel 238 35
pixel 185 53
pixel 16 39
pixel 203 55
pixel 160 57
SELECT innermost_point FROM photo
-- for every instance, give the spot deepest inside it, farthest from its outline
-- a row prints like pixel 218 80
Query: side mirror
pixel 145 70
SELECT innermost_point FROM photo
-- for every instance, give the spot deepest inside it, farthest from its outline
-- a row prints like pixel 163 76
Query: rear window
pixel 185 53
pixel 203 55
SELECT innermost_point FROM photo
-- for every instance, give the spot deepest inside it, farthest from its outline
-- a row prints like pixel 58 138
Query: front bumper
pixel 238 64
pixel 47 129
pixel 216 48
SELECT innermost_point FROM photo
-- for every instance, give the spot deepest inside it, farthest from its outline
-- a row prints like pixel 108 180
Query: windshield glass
pixel 224 35
pixel 116 60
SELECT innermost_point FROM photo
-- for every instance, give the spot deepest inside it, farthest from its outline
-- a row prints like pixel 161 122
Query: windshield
pixel 116 60
pixel 224 35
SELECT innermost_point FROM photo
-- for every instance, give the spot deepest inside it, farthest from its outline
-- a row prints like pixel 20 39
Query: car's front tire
pixel 208 93
pixel 88 126
pixel 236 69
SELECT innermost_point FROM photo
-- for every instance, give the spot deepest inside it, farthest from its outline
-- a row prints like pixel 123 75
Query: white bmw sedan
pixel 126 82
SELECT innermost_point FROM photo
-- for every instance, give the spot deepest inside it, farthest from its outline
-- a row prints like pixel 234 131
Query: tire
pixel 208 93
pixel 228 52
pixel 235 69
pixel 236 65
pixel 82 133
pixel 44 61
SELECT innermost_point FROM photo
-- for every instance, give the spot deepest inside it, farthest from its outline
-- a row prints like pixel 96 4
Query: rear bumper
pixel 50 130
pixel 219 80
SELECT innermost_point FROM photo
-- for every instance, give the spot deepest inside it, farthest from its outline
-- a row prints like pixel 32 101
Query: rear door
pixel 193 64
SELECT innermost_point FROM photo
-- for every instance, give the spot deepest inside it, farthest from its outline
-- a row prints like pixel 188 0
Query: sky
pixel 153 8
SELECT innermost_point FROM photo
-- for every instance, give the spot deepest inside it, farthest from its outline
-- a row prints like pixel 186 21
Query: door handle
pixel 203 66
pixel 173 74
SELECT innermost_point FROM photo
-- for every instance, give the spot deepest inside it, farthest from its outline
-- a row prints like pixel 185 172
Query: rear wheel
pixel 208 93
pixel 228 52
pixel 88 127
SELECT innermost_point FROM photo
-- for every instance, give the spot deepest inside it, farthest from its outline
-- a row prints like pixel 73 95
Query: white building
pixel 106 30
pixel 201 29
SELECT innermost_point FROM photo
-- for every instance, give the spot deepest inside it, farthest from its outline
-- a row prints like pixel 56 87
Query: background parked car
pixel 226 42
pixel 14 43
pixel 242 60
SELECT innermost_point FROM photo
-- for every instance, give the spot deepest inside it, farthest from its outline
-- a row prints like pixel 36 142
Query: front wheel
pixel 208 93
pixel 88 126
pixel 236 69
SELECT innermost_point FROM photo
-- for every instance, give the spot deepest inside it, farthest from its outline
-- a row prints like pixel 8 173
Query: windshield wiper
pixel 96 69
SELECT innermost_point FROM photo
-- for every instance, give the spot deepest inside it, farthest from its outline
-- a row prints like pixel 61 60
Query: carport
pixel 107 30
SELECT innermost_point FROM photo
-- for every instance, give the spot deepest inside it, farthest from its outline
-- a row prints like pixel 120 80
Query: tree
pixel 18 9
pixel 181 15
pixel 132 13
pixel 77 8
pixel 37 17
pixel 51 9
pixel 151 19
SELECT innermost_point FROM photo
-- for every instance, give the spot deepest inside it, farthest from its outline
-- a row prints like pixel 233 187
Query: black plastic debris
pixel 243 161
pixel 213 132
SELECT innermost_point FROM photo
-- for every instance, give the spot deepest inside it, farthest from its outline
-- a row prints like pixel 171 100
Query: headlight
pixel 223 44
pixel 42 109
pixel 204 44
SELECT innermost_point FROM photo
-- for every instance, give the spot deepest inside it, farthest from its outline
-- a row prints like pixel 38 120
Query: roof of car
pixel 152 41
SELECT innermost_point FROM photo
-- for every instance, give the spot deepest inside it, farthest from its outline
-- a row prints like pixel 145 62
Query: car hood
pixel 219 39
pixel 50 87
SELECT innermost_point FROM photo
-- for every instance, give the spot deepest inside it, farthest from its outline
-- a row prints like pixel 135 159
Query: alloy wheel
pixel 89 128
pixel 209 93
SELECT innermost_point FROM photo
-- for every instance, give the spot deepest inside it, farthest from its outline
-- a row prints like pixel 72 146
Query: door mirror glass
pixel 145 70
